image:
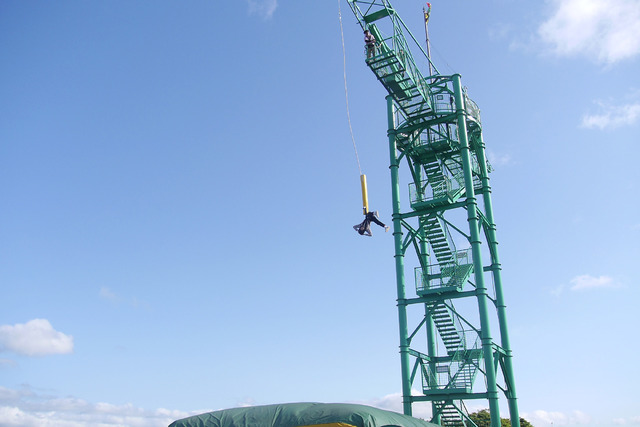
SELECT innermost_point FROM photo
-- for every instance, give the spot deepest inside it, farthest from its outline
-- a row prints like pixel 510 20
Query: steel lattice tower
pixel 444 233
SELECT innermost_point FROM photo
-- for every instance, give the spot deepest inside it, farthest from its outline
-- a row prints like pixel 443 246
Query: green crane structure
pixel 444 232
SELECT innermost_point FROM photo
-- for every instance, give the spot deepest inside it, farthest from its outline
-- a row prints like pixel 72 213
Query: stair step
pixel 439 244
pixel 441 312
pixel 450 336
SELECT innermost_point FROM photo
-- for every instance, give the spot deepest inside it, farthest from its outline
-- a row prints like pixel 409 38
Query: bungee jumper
pixel 364 228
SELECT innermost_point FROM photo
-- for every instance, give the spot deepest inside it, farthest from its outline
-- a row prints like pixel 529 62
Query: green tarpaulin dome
pixel 302 414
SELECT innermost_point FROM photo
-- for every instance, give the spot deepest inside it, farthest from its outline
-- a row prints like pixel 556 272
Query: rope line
pixel 346 91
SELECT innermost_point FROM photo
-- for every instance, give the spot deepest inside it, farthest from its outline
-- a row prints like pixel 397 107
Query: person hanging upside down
pixel 364 228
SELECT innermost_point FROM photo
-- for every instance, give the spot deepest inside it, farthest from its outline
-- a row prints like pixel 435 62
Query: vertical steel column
pixel 474 232
pixel 432 352
pixel 399 257
pixel 496 269
pixel 429 324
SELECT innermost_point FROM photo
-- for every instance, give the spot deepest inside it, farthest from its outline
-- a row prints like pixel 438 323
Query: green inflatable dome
pixel 302 415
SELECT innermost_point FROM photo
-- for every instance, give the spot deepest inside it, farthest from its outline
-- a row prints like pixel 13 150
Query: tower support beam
pixel 394 165
pixel 474 232
pixel 497 280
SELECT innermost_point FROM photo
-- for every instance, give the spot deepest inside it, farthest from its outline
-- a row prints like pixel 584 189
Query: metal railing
pixel 444 103
pixel 427 191
pixel 460 372
pixel 472 108
pixel 440 275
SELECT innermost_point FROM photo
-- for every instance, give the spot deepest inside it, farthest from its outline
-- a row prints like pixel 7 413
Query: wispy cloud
pixel 28 408
pixel 499 159
pixel 500 31
pixel 546 418
pixel 393 402
pixel 557 291
pixel 586 282
pixel 107 294
pixel 262 8
pixel 7 363
pixel 34 338
pixel 632 421
pixel 605 31
pixel 612 116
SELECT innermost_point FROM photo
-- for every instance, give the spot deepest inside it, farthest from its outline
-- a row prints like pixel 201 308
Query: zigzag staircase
pixel 457 374
pixel 453 268
pixel 448 376
pixel 449 272
pixel 454 374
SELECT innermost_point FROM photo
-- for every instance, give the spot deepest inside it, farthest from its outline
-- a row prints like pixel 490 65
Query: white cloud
pixel 263 8
pixel 557 291
pixel 26 408
pixel 500 31
pixel 393 402
pixel 499 159
pixel 633 421
pixel 586 281
pixel 556 418
pixel 34 338
pixel 612 116
pixel 108 295
pixel 606 31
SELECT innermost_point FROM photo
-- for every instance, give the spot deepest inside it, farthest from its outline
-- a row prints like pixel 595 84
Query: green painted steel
pixel 507 360
pixel 474 228
pixel 399 257
pixel 444 232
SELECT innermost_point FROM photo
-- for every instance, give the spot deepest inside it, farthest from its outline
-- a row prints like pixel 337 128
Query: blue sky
pixel 178 187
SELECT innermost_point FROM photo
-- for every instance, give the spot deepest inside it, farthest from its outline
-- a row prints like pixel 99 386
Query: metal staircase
pixel 452 269
pixel 394 66
pixel 451 336
pixel 457 374
pixel 450 415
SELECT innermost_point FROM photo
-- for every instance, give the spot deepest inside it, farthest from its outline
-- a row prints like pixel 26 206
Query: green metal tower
pixel 444 232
